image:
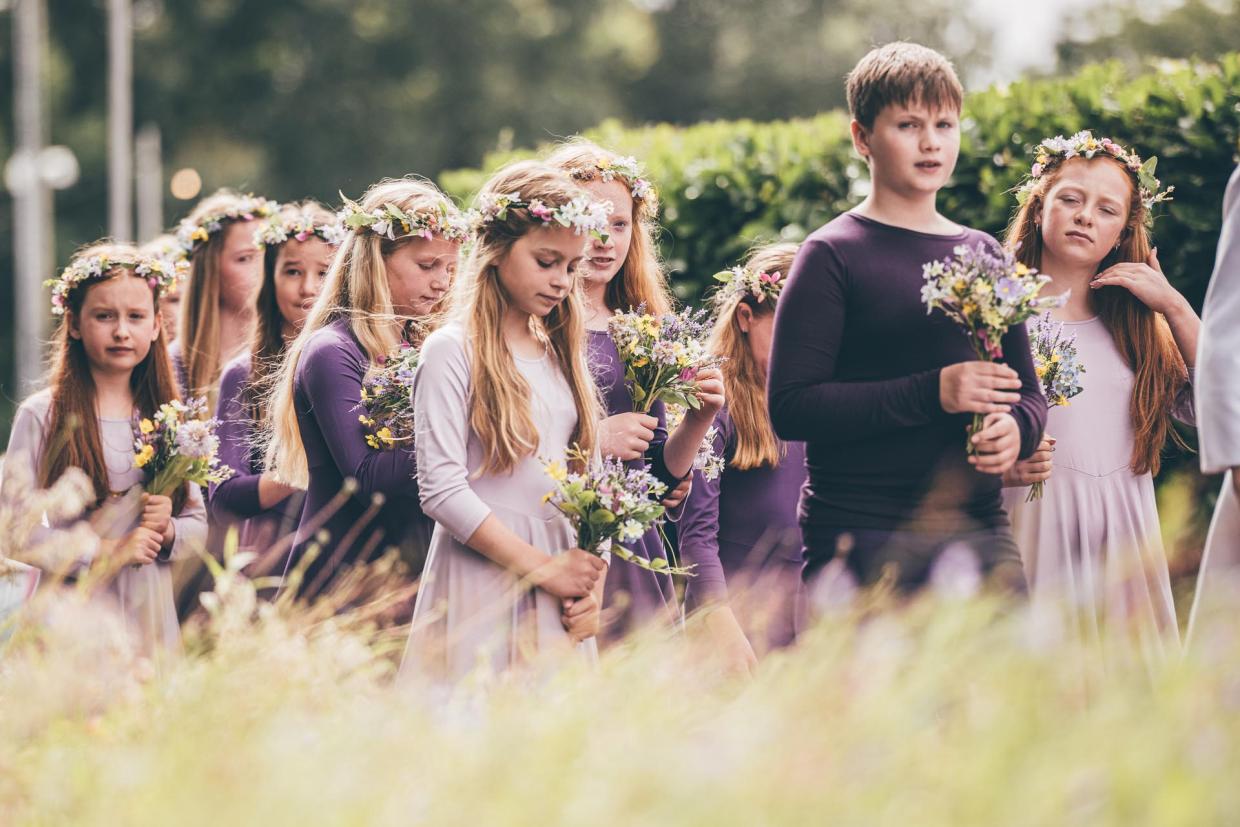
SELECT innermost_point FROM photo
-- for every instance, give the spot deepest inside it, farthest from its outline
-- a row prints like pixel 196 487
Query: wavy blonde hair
pixel 1142 336
pixel 499 399
pixel 744 385
pixel 200 308
pixel 356 288
pixel 641 278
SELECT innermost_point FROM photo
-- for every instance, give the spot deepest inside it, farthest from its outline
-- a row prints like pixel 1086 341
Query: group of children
pixel 837 393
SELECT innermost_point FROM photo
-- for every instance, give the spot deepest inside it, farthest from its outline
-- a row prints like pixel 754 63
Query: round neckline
pixel 1090 320
pixel 864 219
pixel 532 359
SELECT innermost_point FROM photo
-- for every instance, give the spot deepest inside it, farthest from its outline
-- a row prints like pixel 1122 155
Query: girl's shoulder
pixel 330 342
pixel 237 371
pixel 448 342
pixel 37 406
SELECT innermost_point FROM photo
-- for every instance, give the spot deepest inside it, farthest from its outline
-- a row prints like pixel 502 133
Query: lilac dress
pixel 633 597
pixel 472 615
pixel 740 532
pixel 1094 537
pixel 143 594
pixel 234 503
pixel 383 512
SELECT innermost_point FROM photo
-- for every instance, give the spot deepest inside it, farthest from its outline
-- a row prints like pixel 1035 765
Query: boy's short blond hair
pixel 899 74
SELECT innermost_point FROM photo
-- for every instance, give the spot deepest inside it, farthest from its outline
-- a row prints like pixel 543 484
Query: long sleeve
pixel 807 402
pixel 1030 412
pixel 236 497
pixel 441 424
pixel 1218 357
pixel 331 380
pixel 26 449
pixel 655 461
pixel 699 533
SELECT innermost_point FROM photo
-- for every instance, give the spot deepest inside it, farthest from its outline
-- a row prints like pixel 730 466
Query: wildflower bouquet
pixel 387 400
pixel 709 463
pixel 178 445
pixel 987 292
pixel 1059 370
pixel 662 355
pixel 608 505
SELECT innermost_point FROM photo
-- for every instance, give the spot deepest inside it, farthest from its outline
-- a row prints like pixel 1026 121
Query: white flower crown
pixel 1054 151
pixel 191 234
pixel 581 214
pixel 161 274
pixel 742 281
pixel 627 169
pixel 298 227
pixel 392 222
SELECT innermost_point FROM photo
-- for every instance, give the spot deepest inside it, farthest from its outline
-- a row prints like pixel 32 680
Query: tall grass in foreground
pixel 943 712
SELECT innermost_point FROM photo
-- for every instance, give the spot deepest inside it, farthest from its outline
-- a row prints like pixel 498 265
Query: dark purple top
pixel 742 519
pixel 235 500
pixel 854 373
pixel 326 391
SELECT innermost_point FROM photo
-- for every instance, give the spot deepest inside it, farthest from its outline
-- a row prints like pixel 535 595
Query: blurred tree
pixel 1136 30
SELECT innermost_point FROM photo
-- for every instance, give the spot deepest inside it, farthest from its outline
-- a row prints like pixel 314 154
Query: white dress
pixel 1094 538
pixel 471 615
pixel 143 594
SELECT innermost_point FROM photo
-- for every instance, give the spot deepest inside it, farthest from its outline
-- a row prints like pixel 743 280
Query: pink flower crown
pixel 741 282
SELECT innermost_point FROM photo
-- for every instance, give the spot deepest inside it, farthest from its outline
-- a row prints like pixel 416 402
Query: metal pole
pixel 120 120
pixel 148 167
pixel 32 199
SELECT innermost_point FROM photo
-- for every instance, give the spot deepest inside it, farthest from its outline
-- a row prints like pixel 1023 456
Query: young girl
pixel 1094 536
pixel 500 390
pixel 386 276
pixel 623 273
pixel 298 245
pixel 110 364
pixel 740 530
pixel 217 313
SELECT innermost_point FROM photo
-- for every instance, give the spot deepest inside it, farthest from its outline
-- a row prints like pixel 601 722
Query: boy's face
pixel 912 149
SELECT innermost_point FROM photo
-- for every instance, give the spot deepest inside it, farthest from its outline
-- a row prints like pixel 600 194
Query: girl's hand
pixel 626 436
pixel 677 495
pixel 978 387
pixel 709 393
pixel 730 642
pixel 1145 281
pixel 581 617
pixel 1035 469
pixel 998 444
pixel 157 516
pixel 571 574
pixel 139 547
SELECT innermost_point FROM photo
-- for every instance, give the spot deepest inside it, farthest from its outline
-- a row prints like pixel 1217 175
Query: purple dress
pixel 632 597
pixel 384 511
pixel 740 533
pixel 265 532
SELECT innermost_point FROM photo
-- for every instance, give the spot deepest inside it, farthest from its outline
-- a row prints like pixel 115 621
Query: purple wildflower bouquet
pixel 662 355
pixel 387 400
pixel 178 445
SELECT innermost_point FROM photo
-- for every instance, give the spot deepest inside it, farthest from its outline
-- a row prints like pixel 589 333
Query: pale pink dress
pixel 1094 538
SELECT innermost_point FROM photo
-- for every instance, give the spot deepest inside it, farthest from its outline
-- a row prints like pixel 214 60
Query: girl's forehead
pixel 615 191
pixel 560 239
pixel 123 289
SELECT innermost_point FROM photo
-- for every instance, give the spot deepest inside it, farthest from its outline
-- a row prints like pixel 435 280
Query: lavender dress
pixel 383 512
pixel 740 532
pixel 234 503
pixel 1094 537
pixel 633 597
pixel 472 615
pixel 143 594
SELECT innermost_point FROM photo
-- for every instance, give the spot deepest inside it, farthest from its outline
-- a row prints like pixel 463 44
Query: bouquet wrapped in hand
pixel 662 355
pixel 609 505
pixel 387 400
pixel 178 445
pixel 709 463
pixel 987 292
pixel 1059 370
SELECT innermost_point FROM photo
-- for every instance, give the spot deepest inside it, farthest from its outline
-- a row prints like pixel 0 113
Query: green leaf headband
pixel 162 275
pixel 391 222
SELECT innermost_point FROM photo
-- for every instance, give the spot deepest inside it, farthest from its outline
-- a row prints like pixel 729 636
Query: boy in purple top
pixel 879 390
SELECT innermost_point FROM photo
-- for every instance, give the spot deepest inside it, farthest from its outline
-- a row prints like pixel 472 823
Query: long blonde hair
pixel 200 309
pixel 641 279
pixel 744 385
pixel 499 399
pixel 356 288
pixel 1143 337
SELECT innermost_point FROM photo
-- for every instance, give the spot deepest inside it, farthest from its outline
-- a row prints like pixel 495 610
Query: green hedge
pixel 727 185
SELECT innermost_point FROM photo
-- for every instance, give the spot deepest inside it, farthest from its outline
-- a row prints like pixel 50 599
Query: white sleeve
pixel 1218 356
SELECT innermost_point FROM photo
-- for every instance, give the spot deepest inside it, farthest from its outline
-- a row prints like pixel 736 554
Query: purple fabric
pixel 855 374
pixel 326 391
pixel 743 526
pixel 632 597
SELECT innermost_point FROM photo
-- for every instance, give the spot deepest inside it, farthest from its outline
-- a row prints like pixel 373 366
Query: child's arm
pixel 682 444
pixel 699 536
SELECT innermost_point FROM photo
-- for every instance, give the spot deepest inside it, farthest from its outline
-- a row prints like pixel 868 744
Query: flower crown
pixel 627 169
pixel 192 234
pixel 1083 144
pixel 391 222
pixel 172 255
pixel 582 214
pixel 742 281
pixel 298 227
pixel 162 275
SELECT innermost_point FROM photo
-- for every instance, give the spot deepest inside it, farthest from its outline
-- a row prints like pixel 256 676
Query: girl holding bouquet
pixel 740 529
pixel 110 370
pixel 1094 537
pixel 298 245
pixel 623 273
pixel 383 288
pixel 501 391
